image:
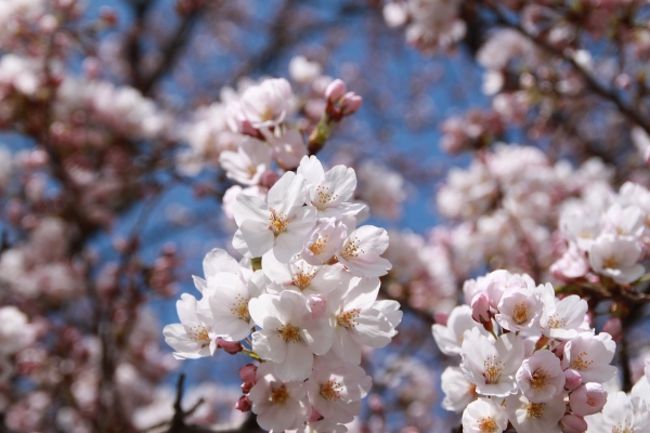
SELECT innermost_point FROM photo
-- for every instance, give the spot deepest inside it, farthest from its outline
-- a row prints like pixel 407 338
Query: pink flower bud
pixel 335 90
pixel 243 404
pixel 573 379
pixel 441 318
pixel 351 103
pixel 248 373
pixel 588 399
pixel 614 327
pixel 481 307
pixel 269 178
pixel 230 347
pixel 573 424
pixel 246 387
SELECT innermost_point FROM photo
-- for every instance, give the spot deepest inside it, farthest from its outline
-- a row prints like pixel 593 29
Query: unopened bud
pixel 573 424
pixel 335 90
pixel 351 103
pixel 573 379
pixel 248 373
pixel 243 404
pixel 588 399
pixel 481 307
pixel 231 347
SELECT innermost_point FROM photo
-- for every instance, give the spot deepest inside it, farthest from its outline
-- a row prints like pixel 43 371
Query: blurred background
pixel 110 187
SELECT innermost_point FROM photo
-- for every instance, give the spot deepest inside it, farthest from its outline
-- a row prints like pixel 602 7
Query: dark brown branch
pixel 178 424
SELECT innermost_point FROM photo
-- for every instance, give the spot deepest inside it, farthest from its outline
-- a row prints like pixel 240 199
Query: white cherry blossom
pixel 228 289
pixel 300 276
pixel 458 390
pixel 335 388
pixel 449 337
pixel 561 318
pixel 529 417
pixel 540 377
pixel 278 405
pixel 617 258
pixel 248 163
pixel 359 320
pixel 280 223
pixel 326 239
pixel 484 416
pixel 491 365
pixel 268 103
pixel 362 250
pixel 194 336
pixel 330 192
pixel 590 355
pixel 289 335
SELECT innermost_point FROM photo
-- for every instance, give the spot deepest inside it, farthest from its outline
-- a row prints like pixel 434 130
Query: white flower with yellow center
pixel 491 364
pixel 278 405
pixel 617 258
pixel 561 318
pixel 268 103
pixel 361 252
pixel 540 377
pixel 360 320
pixel 302 277
pixel 194 336
pixel 529 417
pixel 227 289
pixel 248 163
pixel 484 416
pixel 590 355
pixel 330 192
pixel 335 388
pixel 519 311
pixel 281 223
pixel 324 242
pixel 289 334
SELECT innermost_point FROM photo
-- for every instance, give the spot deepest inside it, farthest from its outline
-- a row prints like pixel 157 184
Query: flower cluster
pixel 265 122
pixel 527 358
pixel 608 235
pixel 431 25
pixel 38 268
pixel 506 204
pixel 306 289
pixel 16 333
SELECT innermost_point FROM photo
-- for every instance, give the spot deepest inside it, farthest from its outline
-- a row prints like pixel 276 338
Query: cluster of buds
pixel 302 300
pixel 527 358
